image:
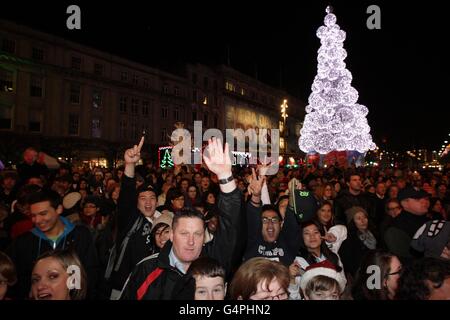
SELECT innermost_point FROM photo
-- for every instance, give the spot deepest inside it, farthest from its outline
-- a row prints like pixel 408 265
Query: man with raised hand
pixel 136 215
pixel 155 277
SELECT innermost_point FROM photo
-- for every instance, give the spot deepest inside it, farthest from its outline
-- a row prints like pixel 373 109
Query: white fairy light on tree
pixel 334 121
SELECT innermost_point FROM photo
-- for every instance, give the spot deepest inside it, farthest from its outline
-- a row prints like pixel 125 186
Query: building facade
pixel 82 104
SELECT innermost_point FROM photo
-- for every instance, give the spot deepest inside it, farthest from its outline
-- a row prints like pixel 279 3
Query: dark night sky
pixel 395 69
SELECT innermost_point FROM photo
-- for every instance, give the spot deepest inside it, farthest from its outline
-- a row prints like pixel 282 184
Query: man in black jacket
pixel 136 213
pixel 399 235
pixel 353 197
pixel 51 232
pixel 155 277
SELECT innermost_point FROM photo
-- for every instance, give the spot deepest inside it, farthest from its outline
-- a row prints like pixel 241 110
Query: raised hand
pixel 133 155
pixel 264 167
pixel 255 186
pixel 268 167
pixel 218 160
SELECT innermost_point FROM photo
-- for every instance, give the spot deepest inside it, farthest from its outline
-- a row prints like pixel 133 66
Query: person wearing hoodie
pixel 51 232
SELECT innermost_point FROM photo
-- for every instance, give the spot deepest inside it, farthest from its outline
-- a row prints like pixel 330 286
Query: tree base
pixel 336 158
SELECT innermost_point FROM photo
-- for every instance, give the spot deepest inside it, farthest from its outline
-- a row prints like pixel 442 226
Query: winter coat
pixel 139 244
pixel 154 278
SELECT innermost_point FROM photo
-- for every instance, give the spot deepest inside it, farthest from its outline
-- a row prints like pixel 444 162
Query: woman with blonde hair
pixel 58 275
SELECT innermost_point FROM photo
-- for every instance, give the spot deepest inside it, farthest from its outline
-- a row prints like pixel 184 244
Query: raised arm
pixel 127 211
pixel 254 223
pixel 131 157
pixel 219 162
pixel 262 170
pixel 229 204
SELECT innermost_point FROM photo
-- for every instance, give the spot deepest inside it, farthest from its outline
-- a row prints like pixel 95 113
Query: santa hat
pixel 324 268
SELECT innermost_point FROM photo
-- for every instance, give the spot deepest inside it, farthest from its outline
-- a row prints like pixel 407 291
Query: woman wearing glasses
pixel 377 277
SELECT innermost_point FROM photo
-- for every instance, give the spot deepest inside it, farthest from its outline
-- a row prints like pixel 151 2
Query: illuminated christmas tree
pixel 166 161
pixel 334 121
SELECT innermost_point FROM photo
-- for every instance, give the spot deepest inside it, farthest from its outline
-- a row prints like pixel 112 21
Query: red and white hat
pixel 324 268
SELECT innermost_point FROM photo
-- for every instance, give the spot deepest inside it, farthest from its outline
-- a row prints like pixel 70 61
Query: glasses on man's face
pixel 394 208
pixel 90 206
pixel 266 220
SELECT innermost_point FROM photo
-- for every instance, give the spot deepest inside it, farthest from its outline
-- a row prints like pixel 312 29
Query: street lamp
pixel 284 115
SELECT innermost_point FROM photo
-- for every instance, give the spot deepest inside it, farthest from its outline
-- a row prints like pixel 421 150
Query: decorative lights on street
pixel 284 115
pixel 284 107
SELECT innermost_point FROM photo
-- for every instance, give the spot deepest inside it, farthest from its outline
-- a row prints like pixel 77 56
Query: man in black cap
pixel 136 214
pixel 415 205
pixel 354 196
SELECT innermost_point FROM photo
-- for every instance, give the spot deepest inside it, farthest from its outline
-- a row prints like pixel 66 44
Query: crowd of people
pixel 217 231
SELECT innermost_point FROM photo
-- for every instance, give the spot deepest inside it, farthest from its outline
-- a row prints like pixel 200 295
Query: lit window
pixel 229 86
